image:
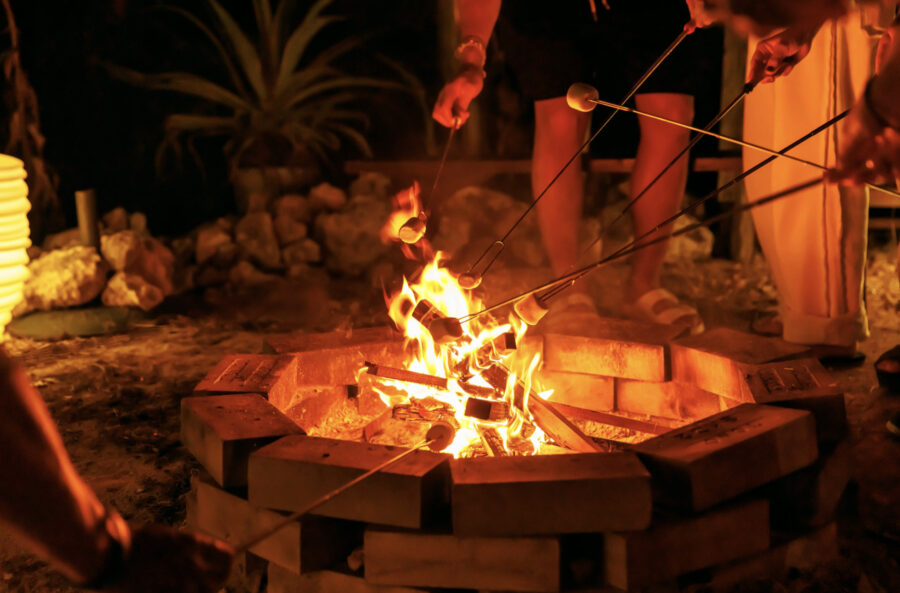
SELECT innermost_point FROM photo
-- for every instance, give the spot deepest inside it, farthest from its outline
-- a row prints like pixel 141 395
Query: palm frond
pixel 233 73
pixel 181 82
pixel 244 51
pixel 298 41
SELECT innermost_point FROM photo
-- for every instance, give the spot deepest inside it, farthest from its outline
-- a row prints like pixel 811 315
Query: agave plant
pixel 280 105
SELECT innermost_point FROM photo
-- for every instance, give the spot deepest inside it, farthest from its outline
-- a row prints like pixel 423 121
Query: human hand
pixel 164 559
pixel 869 151
pixel 777 55
pixel 700 16
pixel 452 106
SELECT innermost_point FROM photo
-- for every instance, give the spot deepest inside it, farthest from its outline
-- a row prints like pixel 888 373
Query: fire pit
pixel 627 455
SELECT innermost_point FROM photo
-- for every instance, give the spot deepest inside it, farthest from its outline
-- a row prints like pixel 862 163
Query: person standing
pixel 611 43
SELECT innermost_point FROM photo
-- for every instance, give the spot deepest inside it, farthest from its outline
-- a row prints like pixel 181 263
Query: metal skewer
pixel 414 228
pixel 473 276
pixel 568 279
pixel 556 286
pixel 746 90
pixel 266 533
pixel 743 143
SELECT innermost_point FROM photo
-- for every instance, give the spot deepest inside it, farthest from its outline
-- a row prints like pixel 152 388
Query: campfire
pixel 679 452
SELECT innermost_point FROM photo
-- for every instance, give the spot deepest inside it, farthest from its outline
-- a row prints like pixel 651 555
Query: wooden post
pixel 86 207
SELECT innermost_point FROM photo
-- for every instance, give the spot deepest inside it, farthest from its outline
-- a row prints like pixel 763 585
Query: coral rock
pixel 370 183
pixel 68 238
pixel 255 235
pixel 327 197
pixel 120 249
pixel 137 222
pixel 209 239
pixel 293 206
pixel 288 229
pixel 246 273
pixel 130 290
pixel 63 278
pixel 353 237
pixel 115 220
pixel 302 252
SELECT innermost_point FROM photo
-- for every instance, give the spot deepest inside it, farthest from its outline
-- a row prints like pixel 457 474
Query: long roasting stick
pixel 555 287
pixel 743 143
pixel 266 533
pixel 497 246
pixel 571 277
pixel 746 90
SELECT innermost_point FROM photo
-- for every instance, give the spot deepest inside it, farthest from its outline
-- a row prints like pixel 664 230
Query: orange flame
pixel 463 360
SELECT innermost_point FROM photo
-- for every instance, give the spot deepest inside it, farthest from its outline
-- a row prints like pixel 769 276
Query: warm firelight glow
pixel 462 360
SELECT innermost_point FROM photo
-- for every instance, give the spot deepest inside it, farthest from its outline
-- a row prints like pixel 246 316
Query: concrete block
pixel 809 497
pixel 315 543
pixel 720 457
pixel 591 492
pixel 310 405
pixel 449 561
pixel 716 360
pixel 335 358
pixel 613 348
pixel 245 373
pixel 581 390
pixel 667 399
pixel 326 581
pixel 803 384
pixel 678 546
pixel 222 430
pixel 292 472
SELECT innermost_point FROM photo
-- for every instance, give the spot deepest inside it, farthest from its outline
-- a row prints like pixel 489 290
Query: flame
pixel 463 361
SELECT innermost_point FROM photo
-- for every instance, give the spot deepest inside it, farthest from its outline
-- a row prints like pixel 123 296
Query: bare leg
pixel 660 142
pixel 558 132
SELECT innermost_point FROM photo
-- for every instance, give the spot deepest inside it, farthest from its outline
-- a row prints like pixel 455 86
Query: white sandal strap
pixel 651 298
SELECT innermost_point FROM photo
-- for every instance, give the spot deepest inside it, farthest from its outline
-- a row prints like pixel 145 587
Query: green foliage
pixel 280 103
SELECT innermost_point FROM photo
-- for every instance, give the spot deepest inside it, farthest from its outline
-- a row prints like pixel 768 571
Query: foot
pixel 569 314
pixel 661 306
pixel 767 324
pixel 838 356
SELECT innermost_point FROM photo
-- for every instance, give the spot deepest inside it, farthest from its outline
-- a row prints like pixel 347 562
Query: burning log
pixel 545 414
pixel 504 342
pixel 441 327
pixel 405 376
pixel 492 441
pixel 489 410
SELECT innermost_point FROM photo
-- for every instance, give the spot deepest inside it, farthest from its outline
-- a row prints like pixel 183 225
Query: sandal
pixel 569 314
pixel 887 368
pixel 767 324
pixel 647 308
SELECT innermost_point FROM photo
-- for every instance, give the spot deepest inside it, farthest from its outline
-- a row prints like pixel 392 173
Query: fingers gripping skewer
pixel 473 276
pixel 414 228
pixel 431 439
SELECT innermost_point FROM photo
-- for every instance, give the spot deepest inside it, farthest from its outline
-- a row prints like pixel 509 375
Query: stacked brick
pixel 746 490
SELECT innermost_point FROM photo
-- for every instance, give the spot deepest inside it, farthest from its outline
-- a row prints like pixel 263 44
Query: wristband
pixel 473 42
pixel 870 106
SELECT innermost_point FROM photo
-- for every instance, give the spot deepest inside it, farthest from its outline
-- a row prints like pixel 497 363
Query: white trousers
pixel 815 240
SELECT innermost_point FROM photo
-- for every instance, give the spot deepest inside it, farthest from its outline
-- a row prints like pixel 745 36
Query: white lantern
pixel 14 235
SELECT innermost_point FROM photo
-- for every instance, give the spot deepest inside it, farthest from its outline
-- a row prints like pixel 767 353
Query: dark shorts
pixel 550 45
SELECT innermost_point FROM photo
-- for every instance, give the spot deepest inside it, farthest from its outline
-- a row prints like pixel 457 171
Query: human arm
pixel 700 16
pixel 475 21
pixel 870 150
pixel 49 506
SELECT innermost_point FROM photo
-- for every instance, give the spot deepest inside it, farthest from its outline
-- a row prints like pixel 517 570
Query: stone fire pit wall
pixel 745 487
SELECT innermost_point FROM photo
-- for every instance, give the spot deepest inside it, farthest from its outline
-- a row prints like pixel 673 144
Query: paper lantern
pixel 14 235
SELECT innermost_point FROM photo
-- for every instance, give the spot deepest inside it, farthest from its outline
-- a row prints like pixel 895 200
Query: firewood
pixel 492 441
pixel 405 375
pixel 488 410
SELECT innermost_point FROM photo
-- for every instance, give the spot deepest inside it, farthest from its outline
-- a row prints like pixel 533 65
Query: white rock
pixel 255 235
pixel 288 230
pixel 302 252
pixel 371 184
pixel 137 222
pixel 63 278
pixel 131 290
pixel 327 197
pixel 209 239
pixel 62 240
pixel 120 249
pixel 246 273
pixel 293 206
pixel 115 220
pixel 352 238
